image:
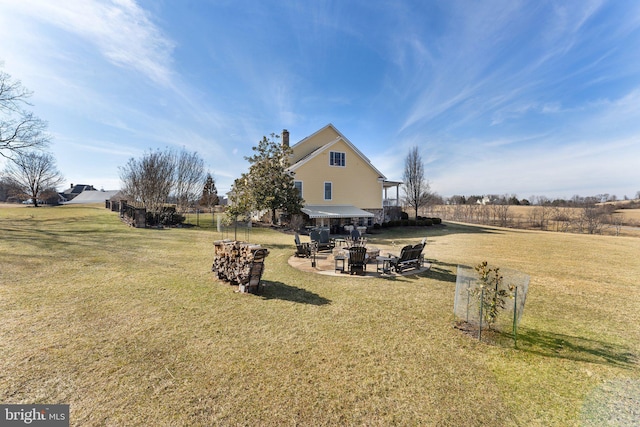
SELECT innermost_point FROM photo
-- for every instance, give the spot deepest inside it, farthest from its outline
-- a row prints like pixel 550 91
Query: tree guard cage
pixel 497 305
pixel 236 230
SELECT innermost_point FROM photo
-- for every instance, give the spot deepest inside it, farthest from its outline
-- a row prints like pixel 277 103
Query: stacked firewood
pixel 238 262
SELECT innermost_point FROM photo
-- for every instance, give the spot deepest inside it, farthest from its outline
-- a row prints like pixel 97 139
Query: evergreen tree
pixel 209 193
pixel 268 185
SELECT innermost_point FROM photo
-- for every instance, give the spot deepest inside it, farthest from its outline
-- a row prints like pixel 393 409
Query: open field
pixel 623 222
pixel 130 327
pixel 629 216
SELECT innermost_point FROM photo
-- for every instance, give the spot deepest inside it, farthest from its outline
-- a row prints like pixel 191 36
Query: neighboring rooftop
pixel 74 190
pixel 92 197
pixel 81 193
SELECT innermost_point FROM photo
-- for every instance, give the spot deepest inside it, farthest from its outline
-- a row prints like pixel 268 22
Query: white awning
pixel 335 211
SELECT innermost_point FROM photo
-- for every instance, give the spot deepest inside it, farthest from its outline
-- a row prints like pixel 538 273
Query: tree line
pixel 178 177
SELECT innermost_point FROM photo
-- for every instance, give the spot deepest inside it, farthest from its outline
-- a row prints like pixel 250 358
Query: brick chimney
pixel 285 138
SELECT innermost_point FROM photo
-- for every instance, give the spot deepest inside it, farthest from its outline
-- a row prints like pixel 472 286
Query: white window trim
pixel 324 190
pixel 345 159
pixel 301 187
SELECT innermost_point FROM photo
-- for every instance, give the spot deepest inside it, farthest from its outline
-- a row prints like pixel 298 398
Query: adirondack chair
pixel 362 241
pixel 323 240
pixel 326 240
pixel 303 250
pixel 410 256
pixel 357 260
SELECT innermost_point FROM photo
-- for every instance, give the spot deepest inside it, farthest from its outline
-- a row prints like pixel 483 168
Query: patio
pixel 325 264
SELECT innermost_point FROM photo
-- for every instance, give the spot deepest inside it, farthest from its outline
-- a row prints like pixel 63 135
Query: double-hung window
pixel 327 190
pixel 337 158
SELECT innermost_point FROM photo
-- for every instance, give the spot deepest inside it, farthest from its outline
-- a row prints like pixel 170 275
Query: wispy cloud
pixel 121 31
pixel 517 94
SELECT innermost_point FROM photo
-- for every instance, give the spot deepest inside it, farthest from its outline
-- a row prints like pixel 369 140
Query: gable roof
pixel 318 150
pixel 78 189
pixel 92 196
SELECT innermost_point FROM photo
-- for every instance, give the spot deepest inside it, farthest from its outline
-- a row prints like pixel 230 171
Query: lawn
pixel 130 327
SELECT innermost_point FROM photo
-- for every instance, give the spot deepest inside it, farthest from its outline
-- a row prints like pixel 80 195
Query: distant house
pixel 74 190
pixel 339 184
pixel 81 193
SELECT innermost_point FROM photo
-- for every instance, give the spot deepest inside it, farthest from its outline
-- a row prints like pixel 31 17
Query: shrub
pixel 491 293
pixel 167 217
pixel 404 215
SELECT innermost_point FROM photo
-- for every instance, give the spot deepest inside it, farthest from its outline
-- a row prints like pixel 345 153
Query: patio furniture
pixel 340 242
pixel 323 239
pixel 357 260
pixel 339 259
pixel 410 257
pixel 303 250
pixel 372 254
pixel 362 241
pixel 383 264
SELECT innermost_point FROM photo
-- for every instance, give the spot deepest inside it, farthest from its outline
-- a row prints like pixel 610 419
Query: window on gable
pixel 298 186
pixel 327 190
pixel 337 158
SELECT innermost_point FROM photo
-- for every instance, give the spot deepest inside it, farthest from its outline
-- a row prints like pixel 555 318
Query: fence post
pixel 480 324
pixel 515 318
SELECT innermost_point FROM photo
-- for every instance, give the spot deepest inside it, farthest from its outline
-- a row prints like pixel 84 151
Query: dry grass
pixel 520 217
pixel 130 328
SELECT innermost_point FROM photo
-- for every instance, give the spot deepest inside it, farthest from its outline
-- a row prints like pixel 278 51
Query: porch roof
pixel 335 211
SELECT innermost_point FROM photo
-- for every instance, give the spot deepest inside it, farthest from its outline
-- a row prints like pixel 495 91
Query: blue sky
pixel 501 97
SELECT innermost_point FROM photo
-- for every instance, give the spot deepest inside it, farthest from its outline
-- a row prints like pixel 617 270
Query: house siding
pixel 354 184
pixel 312 143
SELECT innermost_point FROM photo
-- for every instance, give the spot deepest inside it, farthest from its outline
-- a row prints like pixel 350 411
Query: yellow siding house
pixel 338 183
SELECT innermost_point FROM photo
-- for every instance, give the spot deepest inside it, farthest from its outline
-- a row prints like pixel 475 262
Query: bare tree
pixel 416 188
pixel 8 190
pixel 189 177
pixel 33 173
pixel 501 214
pixel 159 175
pixel 20 130
pixel 593 218
pixel 539 217
pixel 149 180
pixel 616 220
